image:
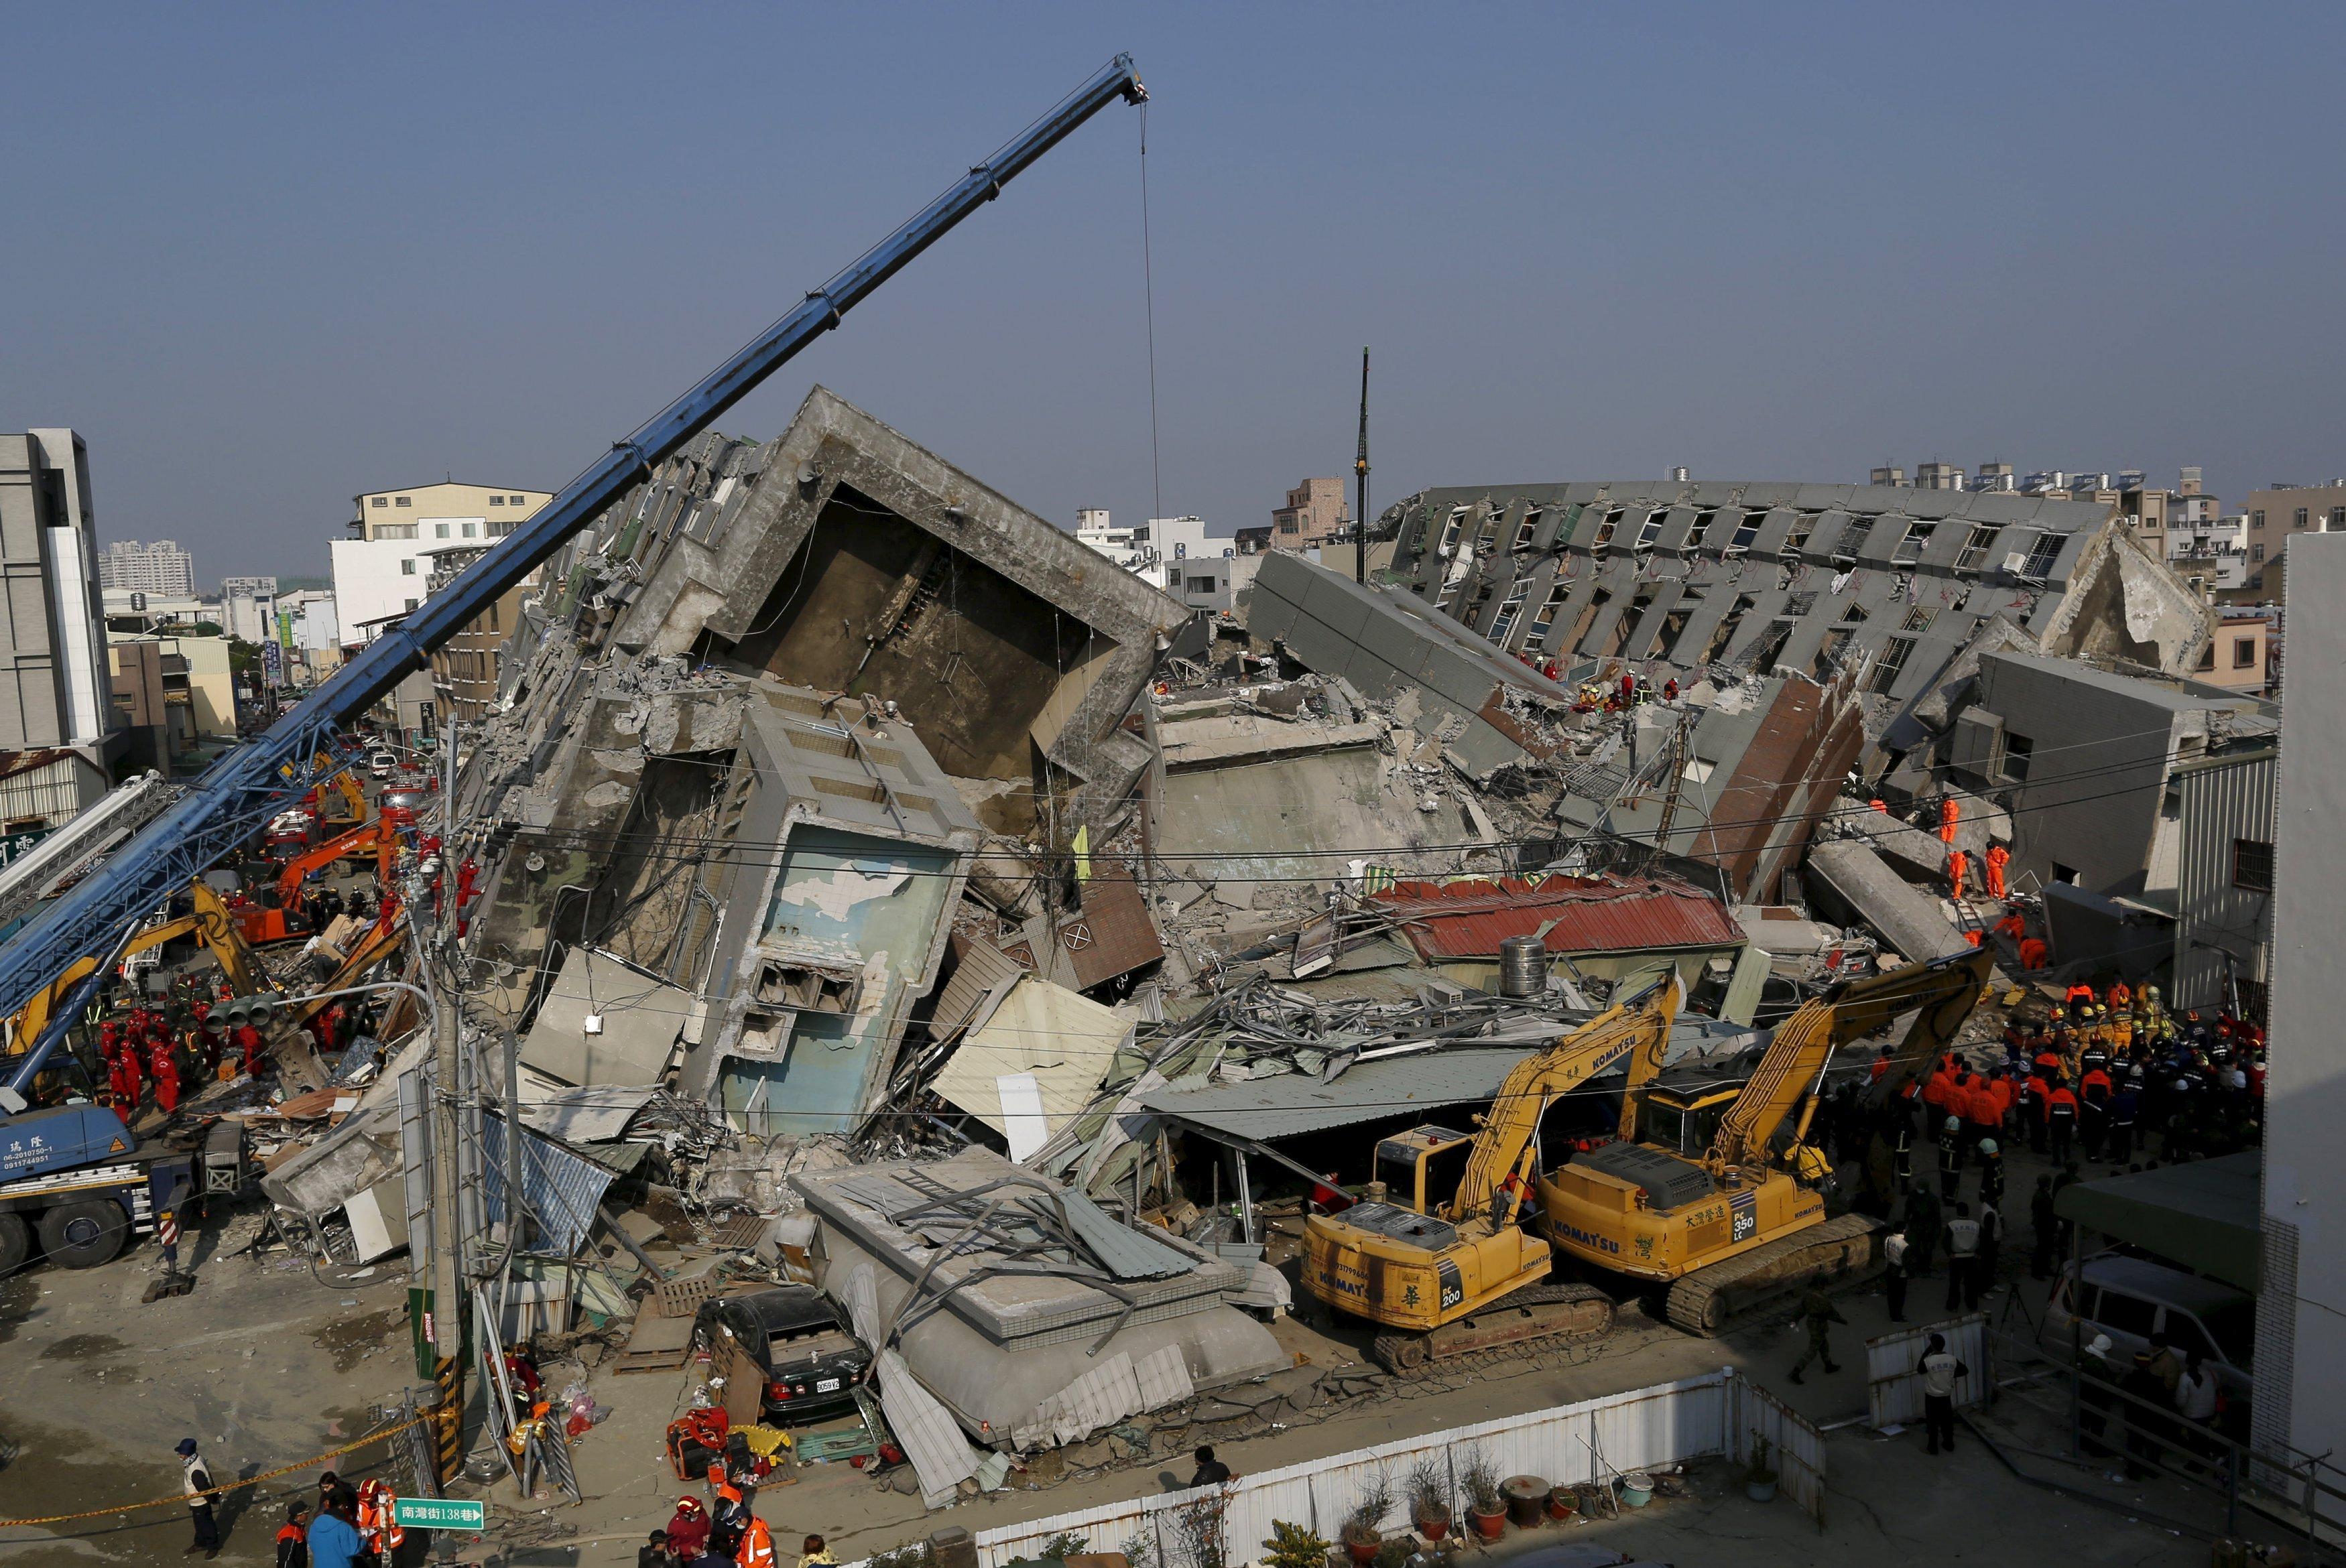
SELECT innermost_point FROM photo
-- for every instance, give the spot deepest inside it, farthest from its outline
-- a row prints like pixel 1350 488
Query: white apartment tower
pixel 160 567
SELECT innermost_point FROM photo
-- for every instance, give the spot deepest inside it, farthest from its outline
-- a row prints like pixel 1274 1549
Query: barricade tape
pixel 214 1491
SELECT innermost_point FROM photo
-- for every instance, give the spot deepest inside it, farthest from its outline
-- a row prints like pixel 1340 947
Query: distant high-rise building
pixel 160 567
pixel 1890 476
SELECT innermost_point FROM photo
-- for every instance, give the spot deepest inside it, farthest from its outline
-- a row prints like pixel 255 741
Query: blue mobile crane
pixel 249 785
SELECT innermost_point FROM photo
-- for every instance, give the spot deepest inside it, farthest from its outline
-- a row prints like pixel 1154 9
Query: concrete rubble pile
pixel 887 891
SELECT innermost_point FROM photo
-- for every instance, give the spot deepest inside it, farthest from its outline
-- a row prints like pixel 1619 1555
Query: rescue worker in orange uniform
pixel 2034 953
pixel 2120 995
pixel 1959 866
pixel 1997 858
pixel 382 1535
pixel 1948 815
pixel 757 1550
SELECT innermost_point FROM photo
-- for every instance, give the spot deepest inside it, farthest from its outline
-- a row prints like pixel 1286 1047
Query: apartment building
pixel 466 668
pixel 1315 512
pixel 383 568
pixel 160 567
pixel 2280 513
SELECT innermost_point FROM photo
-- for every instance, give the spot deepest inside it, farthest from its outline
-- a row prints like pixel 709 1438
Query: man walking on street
pixel 195 1480
pixel 1939 1370
pixel 2044 1227
pixel 1962 1258
pixel 1921 1230
pixel 1819 1312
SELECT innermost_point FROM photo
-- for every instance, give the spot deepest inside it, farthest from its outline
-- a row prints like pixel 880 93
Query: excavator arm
pixel 358 840
pixel 219 929
pixel 1942 993
pixel 1640 1023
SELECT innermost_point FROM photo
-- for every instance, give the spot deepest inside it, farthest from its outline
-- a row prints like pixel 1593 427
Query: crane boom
pixel 254 780
pixel 1639 1021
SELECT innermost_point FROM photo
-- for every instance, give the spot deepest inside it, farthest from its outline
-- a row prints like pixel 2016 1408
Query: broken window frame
pixel 1675 622
pixel 1796 538
pixel 1919 619
pixel 1891 665
pixel 1700 529
pixel 1650 530
pixel 2018 751
pixel 1976 545
pixel 1771 646
pixel 1545 621
pixel 1504 621
pixel 1605 529
pixel 1722 637
pixel 1913 543
pixel 1746 531
pixel 1853 536
pixel 1528 527
pixel 1829 653
pixel 2043 555
pixel 1452 531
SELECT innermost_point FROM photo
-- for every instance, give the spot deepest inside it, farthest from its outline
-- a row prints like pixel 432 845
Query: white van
pixel 2131 1298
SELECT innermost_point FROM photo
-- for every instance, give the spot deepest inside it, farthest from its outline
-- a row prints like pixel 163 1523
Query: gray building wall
pixel 2094 780
pixel 54 688
pixel 1807 577
pixel 2223 919
pixel 2301 1387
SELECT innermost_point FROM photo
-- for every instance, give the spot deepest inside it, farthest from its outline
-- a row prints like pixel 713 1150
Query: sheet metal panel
pixel 1796 1448
pixel 1291 1103
pixel 560 1187
pixel 1894 1389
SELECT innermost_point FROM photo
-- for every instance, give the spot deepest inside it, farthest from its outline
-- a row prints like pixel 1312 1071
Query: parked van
pixel 2131 1298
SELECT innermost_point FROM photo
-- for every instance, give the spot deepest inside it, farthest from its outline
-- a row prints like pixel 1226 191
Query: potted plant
pixel 1294 1546
pixel 1478 1477
pixel 1429 1498
pixel 1363 1526
pixel 1759 1481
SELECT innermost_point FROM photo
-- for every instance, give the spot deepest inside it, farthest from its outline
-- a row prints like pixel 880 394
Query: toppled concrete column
pixel 1907 917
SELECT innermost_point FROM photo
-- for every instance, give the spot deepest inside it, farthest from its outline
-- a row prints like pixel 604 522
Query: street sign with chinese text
pixel 439 1513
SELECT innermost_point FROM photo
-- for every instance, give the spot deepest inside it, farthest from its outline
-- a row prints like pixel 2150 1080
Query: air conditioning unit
pixel 2016 561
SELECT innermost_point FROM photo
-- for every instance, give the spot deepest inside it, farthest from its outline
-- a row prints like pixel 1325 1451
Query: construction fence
pixel 1893 1376
pixel 1594 1440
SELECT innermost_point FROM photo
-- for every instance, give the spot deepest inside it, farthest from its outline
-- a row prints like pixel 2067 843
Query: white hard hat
pixel 1954 1123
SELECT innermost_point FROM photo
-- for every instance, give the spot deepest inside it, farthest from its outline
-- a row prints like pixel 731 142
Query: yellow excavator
pixel 210 923
pixel 1448 1277
pixel 1740 1222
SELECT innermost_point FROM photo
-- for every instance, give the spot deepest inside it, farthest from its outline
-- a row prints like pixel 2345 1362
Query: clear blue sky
pixel 265 258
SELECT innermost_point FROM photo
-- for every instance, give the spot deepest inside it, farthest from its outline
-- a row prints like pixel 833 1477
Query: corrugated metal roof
pixel 560 1187
pixel 1292 1102
pixel 1469 919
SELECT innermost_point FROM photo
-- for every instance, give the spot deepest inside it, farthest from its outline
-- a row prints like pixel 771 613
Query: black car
pixel 811 1364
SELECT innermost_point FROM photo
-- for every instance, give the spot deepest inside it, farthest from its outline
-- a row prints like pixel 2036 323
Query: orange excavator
pixel 380 838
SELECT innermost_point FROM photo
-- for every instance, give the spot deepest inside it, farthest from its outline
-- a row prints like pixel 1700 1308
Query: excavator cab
pixel 1420 1167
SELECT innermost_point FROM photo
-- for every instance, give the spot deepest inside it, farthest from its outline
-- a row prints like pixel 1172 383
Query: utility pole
pixel 451 1300
pixel 1360 474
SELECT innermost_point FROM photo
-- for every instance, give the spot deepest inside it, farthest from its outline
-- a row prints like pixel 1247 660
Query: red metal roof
pixel 1468 920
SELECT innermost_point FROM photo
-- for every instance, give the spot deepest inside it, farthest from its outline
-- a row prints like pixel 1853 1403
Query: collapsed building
pixel 1689 576
pixel 1027 950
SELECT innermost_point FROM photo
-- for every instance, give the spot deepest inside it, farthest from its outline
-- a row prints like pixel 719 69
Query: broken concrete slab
pixel 1853 875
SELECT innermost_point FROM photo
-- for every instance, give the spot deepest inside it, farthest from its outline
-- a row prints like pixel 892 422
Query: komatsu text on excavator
pixel 1742 1222
pixel 1452 1275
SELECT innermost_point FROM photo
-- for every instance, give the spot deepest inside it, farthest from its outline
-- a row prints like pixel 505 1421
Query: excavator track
pixel 1710 1300
pixel 1536 1315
